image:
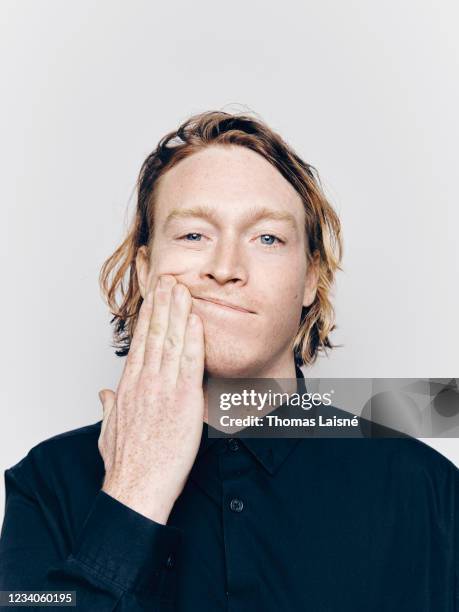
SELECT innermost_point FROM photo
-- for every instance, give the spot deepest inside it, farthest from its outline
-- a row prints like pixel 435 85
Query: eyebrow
pixel 252 216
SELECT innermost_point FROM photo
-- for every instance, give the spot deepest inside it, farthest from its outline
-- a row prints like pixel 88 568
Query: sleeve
pixel 119 560
pixel 456 540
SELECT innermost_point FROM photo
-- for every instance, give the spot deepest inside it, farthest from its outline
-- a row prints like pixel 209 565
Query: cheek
pixel 284 287
pixel 285 311
pixel 282 305
pixel 169 260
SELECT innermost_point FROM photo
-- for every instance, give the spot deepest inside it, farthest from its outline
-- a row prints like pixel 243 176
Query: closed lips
pixel 226 304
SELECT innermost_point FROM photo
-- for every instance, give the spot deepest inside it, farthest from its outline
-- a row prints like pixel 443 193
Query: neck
pixel 280 369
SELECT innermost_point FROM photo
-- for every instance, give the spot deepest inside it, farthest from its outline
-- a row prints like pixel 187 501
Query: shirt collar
pixel 269 452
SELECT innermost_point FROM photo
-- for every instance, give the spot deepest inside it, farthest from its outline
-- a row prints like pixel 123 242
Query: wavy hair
pixel 322 225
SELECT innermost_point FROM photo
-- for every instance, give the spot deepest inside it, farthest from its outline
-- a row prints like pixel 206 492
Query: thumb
pixel 107 399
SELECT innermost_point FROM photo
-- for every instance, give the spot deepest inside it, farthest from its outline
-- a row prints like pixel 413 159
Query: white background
pixel 366 91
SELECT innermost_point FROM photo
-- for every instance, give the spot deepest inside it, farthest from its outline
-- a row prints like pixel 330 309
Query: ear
pixel 312 280
pixel 142 265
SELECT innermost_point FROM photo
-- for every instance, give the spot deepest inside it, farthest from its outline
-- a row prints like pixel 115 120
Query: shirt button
pixel 236 505
pixel 233 444
pixel 170 562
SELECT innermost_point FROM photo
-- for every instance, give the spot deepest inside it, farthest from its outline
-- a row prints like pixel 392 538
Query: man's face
pixel 231 228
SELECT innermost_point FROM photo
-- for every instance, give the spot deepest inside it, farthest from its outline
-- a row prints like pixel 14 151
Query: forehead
pixel 227 178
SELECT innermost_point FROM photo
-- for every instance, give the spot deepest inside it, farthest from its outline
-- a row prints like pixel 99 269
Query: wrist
pixel 157 508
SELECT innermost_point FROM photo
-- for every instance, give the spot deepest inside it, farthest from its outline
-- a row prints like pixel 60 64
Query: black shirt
pixel 263 524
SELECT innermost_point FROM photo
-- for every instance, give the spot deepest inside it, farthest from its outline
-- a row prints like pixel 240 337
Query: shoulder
pixel 410 464
pixel 409 455
pixel 386 452
pixel 417 459
pixel 422 452
pixel 383 445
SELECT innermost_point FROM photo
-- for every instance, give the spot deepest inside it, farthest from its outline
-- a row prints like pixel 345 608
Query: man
pixel 231 256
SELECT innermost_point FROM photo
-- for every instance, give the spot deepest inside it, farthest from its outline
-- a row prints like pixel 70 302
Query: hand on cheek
pixel 159 398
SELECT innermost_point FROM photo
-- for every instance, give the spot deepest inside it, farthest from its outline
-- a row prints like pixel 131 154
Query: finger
pixel 158 324
pixel 107 399
pixel 175 335
pixel 192 359
pixel 134 359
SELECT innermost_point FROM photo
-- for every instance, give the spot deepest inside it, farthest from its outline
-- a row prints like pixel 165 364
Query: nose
pixel 226 262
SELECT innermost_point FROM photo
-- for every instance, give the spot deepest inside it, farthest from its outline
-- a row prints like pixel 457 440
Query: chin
pixel 234 360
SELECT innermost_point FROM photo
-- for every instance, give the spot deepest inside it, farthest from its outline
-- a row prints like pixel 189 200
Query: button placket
pixel 237 521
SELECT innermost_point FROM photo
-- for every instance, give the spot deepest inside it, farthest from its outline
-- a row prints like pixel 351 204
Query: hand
pixel 152 425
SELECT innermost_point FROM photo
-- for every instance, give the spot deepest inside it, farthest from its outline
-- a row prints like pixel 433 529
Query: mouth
pixel 225 305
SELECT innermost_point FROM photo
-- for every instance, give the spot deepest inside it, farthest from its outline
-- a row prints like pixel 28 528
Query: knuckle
pixel 155 328
pixel 147 391
pixel 171 342
pixel 189 358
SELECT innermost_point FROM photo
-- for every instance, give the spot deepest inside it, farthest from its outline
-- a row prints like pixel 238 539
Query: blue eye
pixel 193 237
pixel 271 238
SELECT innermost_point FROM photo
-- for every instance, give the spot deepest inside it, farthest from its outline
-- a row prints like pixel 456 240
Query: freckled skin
pixel 152 424
pixel 231 180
